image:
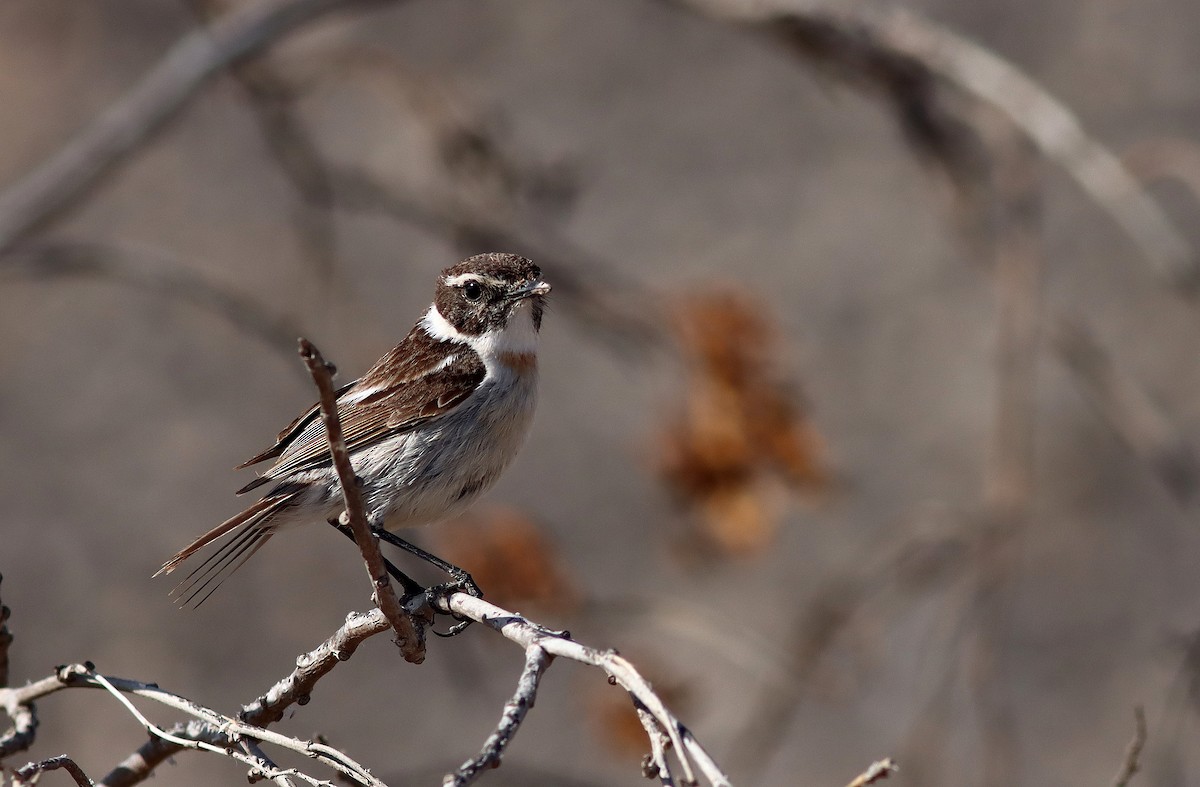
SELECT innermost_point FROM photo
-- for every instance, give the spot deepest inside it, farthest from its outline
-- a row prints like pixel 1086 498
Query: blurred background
pixel 866 427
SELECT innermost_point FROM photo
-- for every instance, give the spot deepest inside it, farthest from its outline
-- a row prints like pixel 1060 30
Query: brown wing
pixel 291 430
pixel 418 381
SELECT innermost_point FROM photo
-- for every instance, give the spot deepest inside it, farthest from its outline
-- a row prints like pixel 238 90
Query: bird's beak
pixel 529 290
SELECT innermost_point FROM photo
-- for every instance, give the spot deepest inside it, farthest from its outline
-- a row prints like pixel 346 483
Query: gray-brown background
pixel 704 156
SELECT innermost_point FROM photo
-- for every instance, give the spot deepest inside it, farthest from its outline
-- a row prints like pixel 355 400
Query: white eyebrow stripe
pixel 463 278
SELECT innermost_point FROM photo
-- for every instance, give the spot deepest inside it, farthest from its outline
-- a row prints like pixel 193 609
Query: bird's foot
pixel 462 583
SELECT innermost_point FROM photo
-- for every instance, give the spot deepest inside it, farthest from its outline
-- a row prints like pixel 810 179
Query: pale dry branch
pixel 220 734
pixel 690 754
pixel 214 733
pixel 297 687
pixel 21 735
pixel 1133 753
pixel 877 772
pixel 139 765
pixel 26 773
pixel 410 634
pixel 66 177
pixel 654 764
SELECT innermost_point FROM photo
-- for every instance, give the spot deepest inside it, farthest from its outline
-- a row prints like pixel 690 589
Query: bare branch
pixel 138 766
pixel 410 636
pixel 526 633
pixel 877 772
pixel 1132 763
pixel 226 736
pixel 63 179
pixel 536 662
pixel 21 735
pixel 24 775
pixel 215 732
pixel 297 687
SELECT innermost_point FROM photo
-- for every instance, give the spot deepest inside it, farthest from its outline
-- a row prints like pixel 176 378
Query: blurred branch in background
pixel 1128 409
pixel 1166 158
pixel 909 565
pixel 1132 762
pixel 906 56
pixel 69 176
pixel 154 272
pixel 292 146
pixel 486 208
pixel 1008 484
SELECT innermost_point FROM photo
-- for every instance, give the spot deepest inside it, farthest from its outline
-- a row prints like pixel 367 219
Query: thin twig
pixel 654 764
pixel 24 775
pixel 558 644
pixel 66 177
pixel 214 734
pixel 410 636
pixel 139 765
pixel 297 687
pixel 219 733
pixel 877 772
pixel 1132 762
pixel 536 662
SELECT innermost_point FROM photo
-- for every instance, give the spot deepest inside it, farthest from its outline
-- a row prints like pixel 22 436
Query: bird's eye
pixel 472 291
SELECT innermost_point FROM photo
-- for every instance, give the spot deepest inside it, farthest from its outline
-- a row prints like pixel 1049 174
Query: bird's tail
pixel 247 532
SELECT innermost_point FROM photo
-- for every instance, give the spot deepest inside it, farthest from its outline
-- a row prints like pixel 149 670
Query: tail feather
pixel 221 565
pixel 250 529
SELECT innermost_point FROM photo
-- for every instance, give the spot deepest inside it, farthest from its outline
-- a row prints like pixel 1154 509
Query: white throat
pixel 517 337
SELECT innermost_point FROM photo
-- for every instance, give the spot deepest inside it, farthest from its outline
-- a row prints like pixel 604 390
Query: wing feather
pixel 420 380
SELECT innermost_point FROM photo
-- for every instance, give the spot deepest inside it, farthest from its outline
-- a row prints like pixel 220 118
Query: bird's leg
pixel 462 581
pixel 411 586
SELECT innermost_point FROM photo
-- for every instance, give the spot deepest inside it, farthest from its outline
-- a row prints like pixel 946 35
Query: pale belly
pixel 439 472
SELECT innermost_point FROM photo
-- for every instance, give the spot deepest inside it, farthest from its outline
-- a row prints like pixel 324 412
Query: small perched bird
pixel 429 427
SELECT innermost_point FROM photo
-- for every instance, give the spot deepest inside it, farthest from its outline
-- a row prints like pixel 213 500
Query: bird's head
pixel 492 293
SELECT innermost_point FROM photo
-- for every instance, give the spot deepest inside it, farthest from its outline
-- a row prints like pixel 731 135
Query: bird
pixel 429 427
